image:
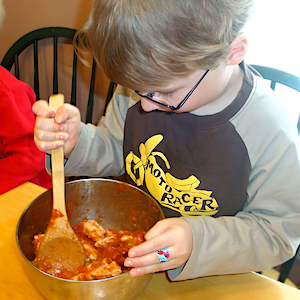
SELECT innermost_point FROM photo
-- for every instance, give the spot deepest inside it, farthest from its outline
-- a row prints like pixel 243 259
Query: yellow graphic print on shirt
pixel 180 195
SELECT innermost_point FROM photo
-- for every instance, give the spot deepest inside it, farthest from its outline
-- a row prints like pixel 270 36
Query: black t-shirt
pixel 192 165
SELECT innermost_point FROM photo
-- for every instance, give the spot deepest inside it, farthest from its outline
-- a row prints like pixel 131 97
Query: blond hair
pixel 145 44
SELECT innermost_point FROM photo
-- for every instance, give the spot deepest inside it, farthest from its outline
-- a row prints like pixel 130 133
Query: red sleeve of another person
pixel 20 159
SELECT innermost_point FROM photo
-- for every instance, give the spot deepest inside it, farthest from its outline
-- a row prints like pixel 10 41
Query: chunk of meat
pixel 109 238
pixel 90 251
pixel 96 271
pixel 91 229
pixel 132 238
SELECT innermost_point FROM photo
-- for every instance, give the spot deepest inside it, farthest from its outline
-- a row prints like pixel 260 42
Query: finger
pixel 149 269
pixel 65 113
pixel 41 108
pixel 48 125
pixel 50 138
pixel 158 237
pixel 48 146
pixel 156 230
pixel 142 261
pixel 46 136
pixel 47 141
pixel 141 270
pixel 148 247
pixel 150 264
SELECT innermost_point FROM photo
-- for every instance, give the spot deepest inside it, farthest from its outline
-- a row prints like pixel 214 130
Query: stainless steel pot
pixel 116 205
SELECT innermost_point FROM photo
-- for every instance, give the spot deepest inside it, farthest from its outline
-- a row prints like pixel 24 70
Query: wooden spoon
pixel 60 252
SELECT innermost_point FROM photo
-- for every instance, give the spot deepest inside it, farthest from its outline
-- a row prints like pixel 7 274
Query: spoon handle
pixel 57 163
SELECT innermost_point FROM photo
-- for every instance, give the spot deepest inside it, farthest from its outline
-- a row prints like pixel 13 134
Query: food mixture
pixel 105 250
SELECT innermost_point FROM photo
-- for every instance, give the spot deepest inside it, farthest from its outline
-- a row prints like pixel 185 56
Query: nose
pixel 149 106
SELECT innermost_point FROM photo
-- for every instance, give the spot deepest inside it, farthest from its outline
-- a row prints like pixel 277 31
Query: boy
pixel 203 135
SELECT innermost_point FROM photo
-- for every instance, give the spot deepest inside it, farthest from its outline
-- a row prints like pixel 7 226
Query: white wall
pixel 23 16
pixel 274 35
pixel 274 41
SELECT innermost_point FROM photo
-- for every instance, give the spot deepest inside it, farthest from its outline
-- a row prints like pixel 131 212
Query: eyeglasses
pixel 161 102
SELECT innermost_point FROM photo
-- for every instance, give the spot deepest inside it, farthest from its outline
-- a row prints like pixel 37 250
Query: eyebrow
pixel 168 91
pixel 160 91
pixel 179 86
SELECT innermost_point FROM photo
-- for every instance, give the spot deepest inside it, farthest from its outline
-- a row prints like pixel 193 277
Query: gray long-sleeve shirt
pixel 262 227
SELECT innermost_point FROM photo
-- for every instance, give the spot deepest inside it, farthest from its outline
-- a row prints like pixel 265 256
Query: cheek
pixel 195 102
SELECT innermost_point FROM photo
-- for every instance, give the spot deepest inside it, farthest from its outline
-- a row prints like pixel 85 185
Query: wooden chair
pixel 286 268
pixel 32 38
pixel 279 77
pixel 293 82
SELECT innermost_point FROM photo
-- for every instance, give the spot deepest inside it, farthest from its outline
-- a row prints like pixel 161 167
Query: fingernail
pixel 132 254
pixel 62 137
pixel 128 263
pixel 51 114
pixel 63 127
pixel 134 272
pixel 58 145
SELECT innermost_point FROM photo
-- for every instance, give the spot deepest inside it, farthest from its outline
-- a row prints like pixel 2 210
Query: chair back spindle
pixel 74 80
pixel 12 58
pixel 36 84
pixel 55 71
pixel 281 77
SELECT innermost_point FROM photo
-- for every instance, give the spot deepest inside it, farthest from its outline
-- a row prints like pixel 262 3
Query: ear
pixel 238 50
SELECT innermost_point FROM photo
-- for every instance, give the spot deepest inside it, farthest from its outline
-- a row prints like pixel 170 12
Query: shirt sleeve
pixel 99 151
pixel 266 232
pixel 20 159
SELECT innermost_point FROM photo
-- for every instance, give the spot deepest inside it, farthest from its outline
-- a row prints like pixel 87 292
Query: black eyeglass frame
pixel 182 102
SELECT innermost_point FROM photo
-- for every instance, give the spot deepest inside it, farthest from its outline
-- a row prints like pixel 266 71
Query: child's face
pixel 211 87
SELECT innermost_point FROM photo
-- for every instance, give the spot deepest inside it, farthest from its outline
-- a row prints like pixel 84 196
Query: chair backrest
pixel 291 81
pixel 281 77
pixel 286 268
pixel 12 58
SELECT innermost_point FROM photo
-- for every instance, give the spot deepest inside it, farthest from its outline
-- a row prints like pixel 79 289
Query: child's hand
pixel 173 233
pixel 65 131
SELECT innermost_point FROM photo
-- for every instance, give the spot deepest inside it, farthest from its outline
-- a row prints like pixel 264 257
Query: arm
pixel 91 150
pixel 265 234
pixel 267 231
pixel 99 151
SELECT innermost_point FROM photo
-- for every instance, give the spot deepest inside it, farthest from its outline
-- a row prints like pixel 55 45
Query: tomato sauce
pixel 105 250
